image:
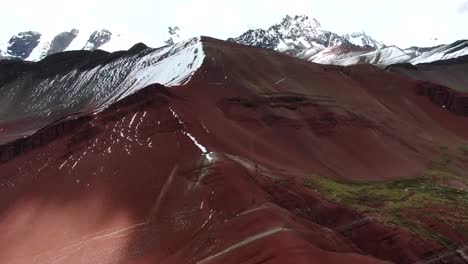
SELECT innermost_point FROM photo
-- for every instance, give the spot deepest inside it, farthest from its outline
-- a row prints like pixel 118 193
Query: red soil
pixel 128 185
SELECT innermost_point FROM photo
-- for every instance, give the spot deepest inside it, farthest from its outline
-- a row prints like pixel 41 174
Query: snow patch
pixel 190 136
pixel 133 119
pixel 194 140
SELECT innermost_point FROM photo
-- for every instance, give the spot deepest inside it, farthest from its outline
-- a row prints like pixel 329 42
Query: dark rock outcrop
pixel 97 39
pixel 454 101
pixel 23 44
pixel 62 41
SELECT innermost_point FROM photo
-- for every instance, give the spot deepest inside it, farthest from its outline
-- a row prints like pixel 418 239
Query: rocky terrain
pixel 450 73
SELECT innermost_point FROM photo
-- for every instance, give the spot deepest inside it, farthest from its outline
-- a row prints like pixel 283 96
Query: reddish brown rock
pixel 134 184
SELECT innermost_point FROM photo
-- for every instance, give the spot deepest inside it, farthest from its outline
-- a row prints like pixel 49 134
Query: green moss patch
pixel 387 202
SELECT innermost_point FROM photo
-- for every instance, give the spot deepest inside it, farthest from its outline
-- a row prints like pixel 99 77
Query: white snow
pixel 40 51
pixel 280 81
pixel 133 119
pixel 384 56
pixel 190 136
pixel 442 53
pixel 194 140
pixel 119 42
pixel 204 127
pixel 177 69
pixel 80 41
pixel 210 156
pixel 63 164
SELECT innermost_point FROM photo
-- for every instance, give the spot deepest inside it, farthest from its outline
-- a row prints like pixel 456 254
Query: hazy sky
pixel 400 22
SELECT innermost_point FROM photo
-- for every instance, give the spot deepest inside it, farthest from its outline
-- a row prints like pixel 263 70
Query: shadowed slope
pixel 449 73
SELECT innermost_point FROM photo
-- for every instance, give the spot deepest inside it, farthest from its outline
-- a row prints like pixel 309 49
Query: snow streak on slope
pixel 41 50
pixel 362 39
pixel 80 41
pixel 334 55
pixel 79 91
pixel 454 50
pixel 349 55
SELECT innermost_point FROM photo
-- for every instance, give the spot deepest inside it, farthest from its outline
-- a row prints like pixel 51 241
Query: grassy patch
pixel 386 201
pixel 463 150
pixel 437 193
pixel 411 193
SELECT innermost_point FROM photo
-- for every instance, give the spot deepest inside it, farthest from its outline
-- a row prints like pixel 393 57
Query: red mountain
pixel 259 157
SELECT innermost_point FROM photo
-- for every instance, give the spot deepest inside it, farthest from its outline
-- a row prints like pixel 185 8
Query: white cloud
pixel 464 7
pixel 399 22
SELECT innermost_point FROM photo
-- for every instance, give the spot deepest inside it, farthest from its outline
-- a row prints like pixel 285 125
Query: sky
pixel 395 22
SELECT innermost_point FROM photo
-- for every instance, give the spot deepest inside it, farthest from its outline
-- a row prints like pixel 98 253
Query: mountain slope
pixel 80 81
pixel 343 55
pixel 258 157
pixel 450 73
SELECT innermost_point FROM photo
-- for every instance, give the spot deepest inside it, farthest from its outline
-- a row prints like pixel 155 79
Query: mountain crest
pixel 300 21
pixel 364 40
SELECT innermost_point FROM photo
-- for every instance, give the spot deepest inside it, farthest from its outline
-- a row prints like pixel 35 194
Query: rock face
pixel 97 39
pixel 62 41
pixel 449 73
pixel 225 162
pixel 22 45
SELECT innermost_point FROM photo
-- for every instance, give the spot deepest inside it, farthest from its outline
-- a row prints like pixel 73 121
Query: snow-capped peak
pixel 364 40
pixel 301 23
pixel 21 45
pixel 296 34
pixel 97 39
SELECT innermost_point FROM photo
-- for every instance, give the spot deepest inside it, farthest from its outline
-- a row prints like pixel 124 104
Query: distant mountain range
pixel 305 38
pixel 34 46
pixel 298 36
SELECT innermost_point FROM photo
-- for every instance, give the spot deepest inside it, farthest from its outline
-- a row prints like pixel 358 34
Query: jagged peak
pixel 300 22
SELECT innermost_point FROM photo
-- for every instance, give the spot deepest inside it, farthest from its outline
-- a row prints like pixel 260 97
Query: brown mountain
pixel 252 157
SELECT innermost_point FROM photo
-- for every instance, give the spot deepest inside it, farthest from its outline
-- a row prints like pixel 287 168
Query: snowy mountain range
pixel 305 38
pixel 347 54
pixel 34 46
pixel 298 36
